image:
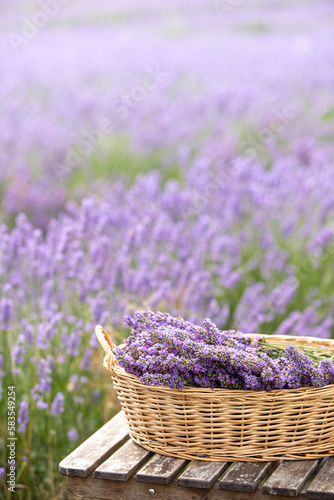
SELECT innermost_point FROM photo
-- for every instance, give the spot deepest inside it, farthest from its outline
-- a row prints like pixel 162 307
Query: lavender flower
pixel 72 435
pixel 86 359
pixel 23 416
pixel 6 312
pixel 18 350
pixel 44 371
pixel 57 405
pixel 42 405
pixel 96 396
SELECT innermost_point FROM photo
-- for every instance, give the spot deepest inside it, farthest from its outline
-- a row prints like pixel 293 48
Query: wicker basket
pixel 223 424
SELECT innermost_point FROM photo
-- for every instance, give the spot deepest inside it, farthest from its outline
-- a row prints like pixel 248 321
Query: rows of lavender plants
pixel 175 159
pixel 153 87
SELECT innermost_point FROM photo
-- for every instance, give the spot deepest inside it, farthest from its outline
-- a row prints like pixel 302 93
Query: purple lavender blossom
pixel 57 405
pixel 2 374
pixel 96 396
pixel 23 416
pixel 44 371
pixel 18 350
pixel 42 405
pixel 72 435
pixel 6 313
pixel 86 359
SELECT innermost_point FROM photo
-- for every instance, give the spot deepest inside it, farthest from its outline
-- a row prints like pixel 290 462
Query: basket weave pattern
pixel 223 424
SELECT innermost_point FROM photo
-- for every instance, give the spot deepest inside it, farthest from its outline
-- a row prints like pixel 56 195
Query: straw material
pixel 223 424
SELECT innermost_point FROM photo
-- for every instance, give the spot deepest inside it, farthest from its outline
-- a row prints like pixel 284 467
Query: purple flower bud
pixel 44 370
pixel 42 405
pixel 96 396
pixel 57 405
pixel 72 435
pixel 23 416
pixel 18 350
pixel 85 360
pixel 6 313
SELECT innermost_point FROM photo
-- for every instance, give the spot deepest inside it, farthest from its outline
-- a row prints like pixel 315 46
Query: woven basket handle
pixel 107 345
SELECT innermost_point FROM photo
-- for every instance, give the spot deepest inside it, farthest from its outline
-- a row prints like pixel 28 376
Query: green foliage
pixel 115 158
pixel 87 406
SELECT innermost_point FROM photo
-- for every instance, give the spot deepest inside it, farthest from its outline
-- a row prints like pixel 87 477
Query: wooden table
pixel 110 465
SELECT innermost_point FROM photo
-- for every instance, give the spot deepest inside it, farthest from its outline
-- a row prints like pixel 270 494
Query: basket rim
pixel 219 392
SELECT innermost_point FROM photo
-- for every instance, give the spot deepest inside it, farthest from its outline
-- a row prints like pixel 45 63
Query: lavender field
pixel 174 157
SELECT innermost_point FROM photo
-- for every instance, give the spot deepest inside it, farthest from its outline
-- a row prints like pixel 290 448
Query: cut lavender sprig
pixel 168 351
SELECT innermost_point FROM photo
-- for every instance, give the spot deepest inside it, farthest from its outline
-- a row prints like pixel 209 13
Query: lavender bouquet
pixel 169 351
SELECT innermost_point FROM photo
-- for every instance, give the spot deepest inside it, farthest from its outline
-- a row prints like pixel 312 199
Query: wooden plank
pixel 201 474
pixel 90 487
pixel 245 476
pixel 124 463
pixel 161 469
pixel 289 477
pixel 92 452
pixel 322 486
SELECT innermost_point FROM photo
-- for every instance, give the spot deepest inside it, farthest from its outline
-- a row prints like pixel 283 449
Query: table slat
pixel 160 469
pixel 289 477
pixel 92 452
pixel 124 462
pixel 201 474
pixel 322 486
pixel 245 476
pixel 91 487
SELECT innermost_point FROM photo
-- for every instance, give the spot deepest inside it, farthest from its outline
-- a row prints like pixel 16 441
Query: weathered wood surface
pixel 116 459
pixel 160 470
pixel 322 486
pixel 91 487
pixel 245 476
pixel 92 452
pixel 202 474
pixel 290 477
pixel 124 462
